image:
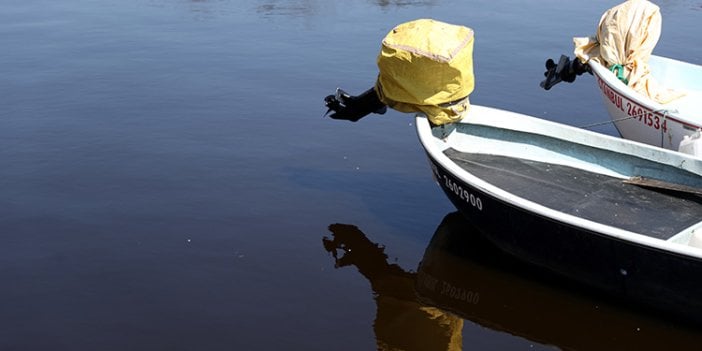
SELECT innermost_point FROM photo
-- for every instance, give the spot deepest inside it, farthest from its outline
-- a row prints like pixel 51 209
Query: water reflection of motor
pixel 401 322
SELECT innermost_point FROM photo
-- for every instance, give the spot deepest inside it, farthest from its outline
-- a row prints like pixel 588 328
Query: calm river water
pixel 168 182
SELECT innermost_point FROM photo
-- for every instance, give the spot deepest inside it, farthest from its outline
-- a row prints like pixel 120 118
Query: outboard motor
pixel 425 67
pixel 565 71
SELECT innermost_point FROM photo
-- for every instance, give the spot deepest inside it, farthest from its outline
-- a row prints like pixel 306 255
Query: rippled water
pixel 168 180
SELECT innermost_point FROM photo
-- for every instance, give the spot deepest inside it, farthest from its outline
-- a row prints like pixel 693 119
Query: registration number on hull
pixel 463 194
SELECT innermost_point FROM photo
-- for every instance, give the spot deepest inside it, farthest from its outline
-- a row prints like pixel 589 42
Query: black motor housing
pixel 565 71
pixel 353 108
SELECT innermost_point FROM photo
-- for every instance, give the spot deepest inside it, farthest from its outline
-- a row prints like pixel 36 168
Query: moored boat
pixel 638 117
pixel 649 98
pixel 618 215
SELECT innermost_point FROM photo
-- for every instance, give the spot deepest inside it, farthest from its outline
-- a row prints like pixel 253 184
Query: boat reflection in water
pixel 462 276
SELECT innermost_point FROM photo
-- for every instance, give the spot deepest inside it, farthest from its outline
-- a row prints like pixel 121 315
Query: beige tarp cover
pixel 625 39
pixel 427 66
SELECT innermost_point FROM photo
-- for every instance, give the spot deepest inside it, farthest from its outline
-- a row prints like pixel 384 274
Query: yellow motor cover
pixel 427 66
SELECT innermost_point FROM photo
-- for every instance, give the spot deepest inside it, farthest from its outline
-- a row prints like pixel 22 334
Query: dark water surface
pixel 168 183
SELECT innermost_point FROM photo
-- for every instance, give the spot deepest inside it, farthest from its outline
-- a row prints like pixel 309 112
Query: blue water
pixel 167 176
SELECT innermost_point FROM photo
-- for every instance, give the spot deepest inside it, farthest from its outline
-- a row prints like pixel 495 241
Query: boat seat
pixel 696 239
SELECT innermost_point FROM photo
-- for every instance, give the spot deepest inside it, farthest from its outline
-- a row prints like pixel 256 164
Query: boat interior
pixel 598 157
pixel 584 181
pixel 681 77
pixel 589 195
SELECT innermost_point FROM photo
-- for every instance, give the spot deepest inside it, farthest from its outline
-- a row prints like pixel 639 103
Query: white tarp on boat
pixel 625 39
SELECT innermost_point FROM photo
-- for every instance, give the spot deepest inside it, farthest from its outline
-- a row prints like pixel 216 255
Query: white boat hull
pixel 638 118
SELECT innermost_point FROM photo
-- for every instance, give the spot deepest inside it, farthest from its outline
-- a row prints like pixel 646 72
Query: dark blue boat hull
pixel 657 279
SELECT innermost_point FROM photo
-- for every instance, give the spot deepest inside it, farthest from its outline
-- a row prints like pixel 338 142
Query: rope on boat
pixel 663 112
pixel 606 122
pixel 665 115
